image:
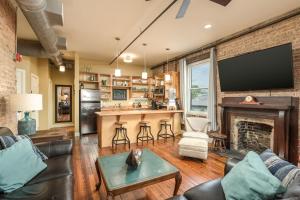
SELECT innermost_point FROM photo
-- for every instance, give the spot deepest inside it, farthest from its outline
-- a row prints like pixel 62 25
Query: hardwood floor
pixel 193 171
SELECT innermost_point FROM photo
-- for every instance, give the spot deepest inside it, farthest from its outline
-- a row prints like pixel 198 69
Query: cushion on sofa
pixel 198 135
pixel 193 144
pixel 250 179
pixel 55 189
pixel 9 140
pixel 293 191
pixel 283 170
pixel 19 164
pixel 205 191
pixel 56 167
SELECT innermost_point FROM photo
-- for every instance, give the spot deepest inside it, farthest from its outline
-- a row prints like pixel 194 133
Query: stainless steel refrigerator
pixel 89 104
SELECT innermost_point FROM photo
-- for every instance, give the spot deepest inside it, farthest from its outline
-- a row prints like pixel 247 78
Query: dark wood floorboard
pixel 193 171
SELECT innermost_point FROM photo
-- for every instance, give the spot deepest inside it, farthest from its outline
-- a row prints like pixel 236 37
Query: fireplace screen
pixel 251 135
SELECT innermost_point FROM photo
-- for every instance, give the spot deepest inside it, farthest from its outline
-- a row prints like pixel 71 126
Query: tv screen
pixel 260 70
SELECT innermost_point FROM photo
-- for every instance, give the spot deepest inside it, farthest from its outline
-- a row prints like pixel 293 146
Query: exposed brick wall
pixel 277 34
pixel 7 65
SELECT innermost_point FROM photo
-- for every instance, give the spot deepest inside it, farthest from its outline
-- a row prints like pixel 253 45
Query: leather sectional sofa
pixel 211 190
pixel 56 181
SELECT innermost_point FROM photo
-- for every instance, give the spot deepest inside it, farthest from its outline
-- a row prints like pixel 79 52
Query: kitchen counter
pixel 107 118
pixel 136 112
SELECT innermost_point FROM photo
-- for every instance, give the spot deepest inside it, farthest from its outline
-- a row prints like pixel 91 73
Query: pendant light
pixel 118 72
pixel 62 68
pixel 144 73
pixel 167 75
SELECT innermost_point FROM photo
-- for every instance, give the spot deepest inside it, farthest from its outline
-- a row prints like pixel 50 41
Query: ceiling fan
pixel 185 4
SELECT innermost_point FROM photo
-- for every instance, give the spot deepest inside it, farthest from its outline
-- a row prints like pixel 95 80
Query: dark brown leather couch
pixel 56 181
pixel 211 190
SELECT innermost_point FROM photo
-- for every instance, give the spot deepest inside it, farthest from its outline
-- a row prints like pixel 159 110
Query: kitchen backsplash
pixel 128 103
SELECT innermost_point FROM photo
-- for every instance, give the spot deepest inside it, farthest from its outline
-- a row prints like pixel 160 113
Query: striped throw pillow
pixel 8 141
pixel 283 170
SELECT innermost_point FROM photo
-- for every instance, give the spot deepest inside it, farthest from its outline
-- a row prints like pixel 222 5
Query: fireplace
pixel 250 134
pixel 272 124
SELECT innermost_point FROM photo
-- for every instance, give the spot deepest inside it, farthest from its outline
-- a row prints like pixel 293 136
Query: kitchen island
pixel 106 122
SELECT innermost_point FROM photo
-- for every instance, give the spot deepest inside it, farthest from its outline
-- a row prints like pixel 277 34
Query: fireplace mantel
pixel 284 112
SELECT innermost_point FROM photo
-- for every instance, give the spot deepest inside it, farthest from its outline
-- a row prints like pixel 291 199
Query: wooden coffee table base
pixel 136 186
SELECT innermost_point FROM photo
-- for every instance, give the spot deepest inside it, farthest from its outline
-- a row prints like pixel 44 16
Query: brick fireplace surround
pixel 276 117
pixel 287 31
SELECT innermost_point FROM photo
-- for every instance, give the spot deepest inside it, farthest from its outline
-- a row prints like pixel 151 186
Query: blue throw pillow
pixel 7 141
pixel 19 164
pixel 286 172
pixel 250 179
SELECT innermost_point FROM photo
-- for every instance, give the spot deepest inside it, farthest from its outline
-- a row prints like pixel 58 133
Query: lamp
pixel 118 72
pixel 167 75
pixel 26 103
pixel 62 68
pixel 144 73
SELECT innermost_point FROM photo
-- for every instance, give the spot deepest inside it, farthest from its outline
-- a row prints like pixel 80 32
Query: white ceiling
pixel 91 25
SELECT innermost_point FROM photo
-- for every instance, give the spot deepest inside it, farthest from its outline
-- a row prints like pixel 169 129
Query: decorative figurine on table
pixel 134 158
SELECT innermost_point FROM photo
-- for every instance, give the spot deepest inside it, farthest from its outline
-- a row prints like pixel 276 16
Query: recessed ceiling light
pixel 207 26
pixel 127 59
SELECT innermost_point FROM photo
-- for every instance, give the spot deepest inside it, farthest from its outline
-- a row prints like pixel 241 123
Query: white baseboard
pixel 59 125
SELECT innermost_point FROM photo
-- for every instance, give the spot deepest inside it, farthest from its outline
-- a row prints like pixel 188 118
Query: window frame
pixel 189 87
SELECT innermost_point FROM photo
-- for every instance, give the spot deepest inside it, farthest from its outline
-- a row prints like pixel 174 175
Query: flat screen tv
pixel 260 70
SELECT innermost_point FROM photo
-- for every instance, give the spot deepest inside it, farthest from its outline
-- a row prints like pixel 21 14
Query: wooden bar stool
pixel 145 133
pixel 163 132
pixel 120 136
pixel 218 143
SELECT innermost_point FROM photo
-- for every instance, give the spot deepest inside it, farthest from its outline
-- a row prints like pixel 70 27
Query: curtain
pixel 212 105
pixel 183 86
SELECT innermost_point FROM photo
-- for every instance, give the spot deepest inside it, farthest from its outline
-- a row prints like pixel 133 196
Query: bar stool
pixel 120 136
pixel 163 132
pixel 145 133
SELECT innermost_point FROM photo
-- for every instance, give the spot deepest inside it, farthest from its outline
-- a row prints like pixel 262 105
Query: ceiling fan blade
pixel 184 6
pixel 221 2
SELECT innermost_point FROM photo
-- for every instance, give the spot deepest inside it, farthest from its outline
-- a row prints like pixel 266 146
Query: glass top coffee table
pixel 118 179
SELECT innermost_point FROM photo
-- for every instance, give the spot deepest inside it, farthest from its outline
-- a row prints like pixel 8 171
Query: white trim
pixel 189 78
pixel 58 125
pixel 23 84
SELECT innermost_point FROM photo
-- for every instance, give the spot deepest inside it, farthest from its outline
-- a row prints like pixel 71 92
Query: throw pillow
pixel 283 170
pixel 250 179
pixel 19 164
pixel 293 191
pixel 7 141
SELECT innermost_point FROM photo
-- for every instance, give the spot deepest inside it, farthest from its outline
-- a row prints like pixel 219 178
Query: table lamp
pixel 26 103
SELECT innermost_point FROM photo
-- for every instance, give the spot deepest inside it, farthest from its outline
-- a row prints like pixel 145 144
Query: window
pixel 198 81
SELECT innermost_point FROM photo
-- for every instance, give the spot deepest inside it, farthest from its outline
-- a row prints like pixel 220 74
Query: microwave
pixel 119 94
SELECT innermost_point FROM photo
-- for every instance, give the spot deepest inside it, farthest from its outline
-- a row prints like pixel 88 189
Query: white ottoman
pixel 192 147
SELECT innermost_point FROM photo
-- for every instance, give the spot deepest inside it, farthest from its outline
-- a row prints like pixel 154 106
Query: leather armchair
pixel 56 181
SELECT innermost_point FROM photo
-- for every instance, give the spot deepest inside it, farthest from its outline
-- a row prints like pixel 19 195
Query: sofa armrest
pixel 205 191
pixel 56 148
pixel 231 162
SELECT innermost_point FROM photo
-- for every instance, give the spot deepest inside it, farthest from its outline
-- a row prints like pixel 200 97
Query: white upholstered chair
pixel 195 140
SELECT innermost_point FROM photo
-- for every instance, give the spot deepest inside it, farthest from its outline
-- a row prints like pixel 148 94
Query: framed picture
pixel 63 103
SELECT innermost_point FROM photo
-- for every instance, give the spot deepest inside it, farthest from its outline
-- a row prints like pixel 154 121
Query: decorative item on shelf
pixel 167 75
pixel 118 72
pixel 18 57
pixel 26 103
pixel 250 100
pixel 134 159
pixel 144 73
pixel 103 82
